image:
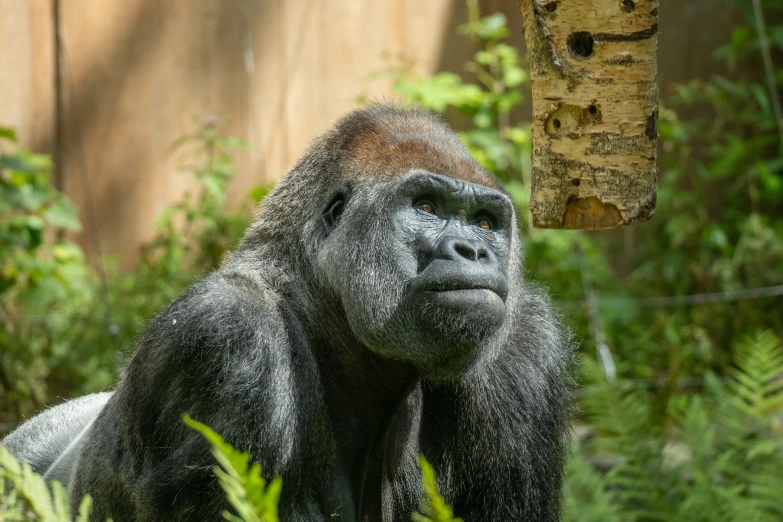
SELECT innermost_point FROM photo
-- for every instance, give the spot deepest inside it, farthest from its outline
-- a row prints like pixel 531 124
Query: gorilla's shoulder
pixel 228 312
pixel 227 295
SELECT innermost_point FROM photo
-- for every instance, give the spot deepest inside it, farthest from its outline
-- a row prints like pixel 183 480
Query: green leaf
pixel 433 506
pixel 259 192
pixel 61 214
pixel 8 134
pixel 15 163
pixel 242 482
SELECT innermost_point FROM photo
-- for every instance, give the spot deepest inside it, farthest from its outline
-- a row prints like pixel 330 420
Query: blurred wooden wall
pixel 107 86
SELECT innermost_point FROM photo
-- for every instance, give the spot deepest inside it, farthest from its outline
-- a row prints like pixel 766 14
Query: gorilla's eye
pixel 425 206
pixel 484 222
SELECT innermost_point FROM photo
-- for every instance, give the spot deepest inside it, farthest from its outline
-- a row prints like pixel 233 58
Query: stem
pixel 769 68
pixel 13 401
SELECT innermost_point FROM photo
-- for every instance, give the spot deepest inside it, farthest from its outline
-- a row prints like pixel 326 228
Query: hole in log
pixel 590 213
pixel 576 182
pixel 651 129
pixel 551 7
pixel 593 110
pixel 556 123
pixel 580 44
pixel 628 5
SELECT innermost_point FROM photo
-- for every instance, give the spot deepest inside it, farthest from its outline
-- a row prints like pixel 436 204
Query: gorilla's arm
pixel 228 353
pixel 497 437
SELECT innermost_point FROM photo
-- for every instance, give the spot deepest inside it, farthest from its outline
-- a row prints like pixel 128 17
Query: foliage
pixel 720 196
pixel 499 145
pixel 43 281
pixel 433 506
pixel 196 231
pixel 678 452
pixel 681 451
pixel 721 188
pixel 27 496
pixel 47 286
pixel 246 490
pixel 678 457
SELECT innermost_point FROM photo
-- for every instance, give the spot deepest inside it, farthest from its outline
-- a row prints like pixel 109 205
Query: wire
pixel 696 382
pixel 687 300
pixel 661 302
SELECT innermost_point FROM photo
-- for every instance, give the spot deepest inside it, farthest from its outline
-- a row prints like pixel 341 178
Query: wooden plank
pixel 15 73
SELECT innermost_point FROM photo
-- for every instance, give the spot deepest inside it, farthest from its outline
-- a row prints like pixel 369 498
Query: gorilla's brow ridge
pixel 479 194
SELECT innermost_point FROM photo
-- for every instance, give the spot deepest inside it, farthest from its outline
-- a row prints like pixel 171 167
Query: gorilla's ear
pixel 334 210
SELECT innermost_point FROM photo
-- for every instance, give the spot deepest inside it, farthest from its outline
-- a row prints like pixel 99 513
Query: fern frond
pixel 433 507
pixel 587 494
pixel 245 487
pixel 758 379
pixel 26 495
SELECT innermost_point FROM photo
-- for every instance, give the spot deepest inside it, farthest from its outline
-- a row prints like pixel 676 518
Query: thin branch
pixel 761 27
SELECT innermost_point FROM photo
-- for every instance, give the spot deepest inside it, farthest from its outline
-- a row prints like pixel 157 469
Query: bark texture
pixel 595 106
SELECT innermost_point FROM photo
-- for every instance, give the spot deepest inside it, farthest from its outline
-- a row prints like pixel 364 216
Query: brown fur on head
pixel 382 142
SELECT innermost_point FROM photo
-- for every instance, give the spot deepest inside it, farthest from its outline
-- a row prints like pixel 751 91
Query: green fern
pixel 27 496
pixel 587 495
pixel 433 506
pixel 757 379
pixel 245 488
pixel 710 457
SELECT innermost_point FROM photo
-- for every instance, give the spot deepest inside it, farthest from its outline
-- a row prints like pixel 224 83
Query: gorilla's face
pixel 421 266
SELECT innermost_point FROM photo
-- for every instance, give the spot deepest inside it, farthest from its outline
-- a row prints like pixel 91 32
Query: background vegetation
pixel 681 399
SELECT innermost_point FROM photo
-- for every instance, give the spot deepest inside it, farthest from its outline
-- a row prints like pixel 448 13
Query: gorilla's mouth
pixel 440 278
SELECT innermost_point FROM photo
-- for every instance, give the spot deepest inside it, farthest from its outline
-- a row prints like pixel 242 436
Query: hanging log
pixel 595 106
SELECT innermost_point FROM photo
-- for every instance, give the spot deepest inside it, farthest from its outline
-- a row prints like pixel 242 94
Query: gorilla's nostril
pixel 467 251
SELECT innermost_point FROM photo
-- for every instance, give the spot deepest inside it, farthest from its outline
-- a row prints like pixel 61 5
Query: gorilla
pixel 375 309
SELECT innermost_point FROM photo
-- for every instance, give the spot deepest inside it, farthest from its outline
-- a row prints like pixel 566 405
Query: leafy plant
pixel 245 488
pixel 27 496
pixel 677 457
pixel 719 226
pixel 193 235
pixel 43 280
pixel 433 506
pixel 65 330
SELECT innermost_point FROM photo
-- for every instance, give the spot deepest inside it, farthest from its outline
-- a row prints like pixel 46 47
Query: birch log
pixel 595 106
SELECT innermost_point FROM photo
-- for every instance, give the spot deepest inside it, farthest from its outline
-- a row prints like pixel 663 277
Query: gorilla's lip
pixel 437 279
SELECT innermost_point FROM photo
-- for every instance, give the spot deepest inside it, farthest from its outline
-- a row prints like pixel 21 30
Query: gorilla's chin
pixel 469 314
pixel 457 325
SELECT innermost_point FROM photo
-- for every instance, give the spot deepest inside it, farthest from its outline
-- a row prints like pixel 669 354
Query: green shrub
pixel 44 283
pixel 26 495
pixel 64 330
pixel 678 457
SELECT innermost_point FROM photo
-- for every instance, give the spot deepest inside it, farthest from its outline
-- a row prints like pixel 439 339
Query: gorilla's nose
pixel 461 249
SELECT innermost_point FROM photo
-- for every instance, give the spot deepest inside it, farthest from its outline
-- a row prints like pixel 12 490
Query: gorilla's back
pixel 50 441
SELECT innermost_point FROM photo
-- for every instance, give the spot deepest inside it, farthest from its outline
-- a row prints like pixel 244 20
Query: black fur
pixel 310 349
